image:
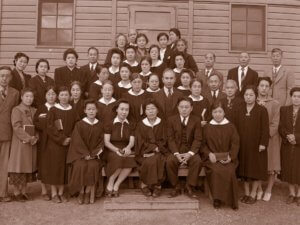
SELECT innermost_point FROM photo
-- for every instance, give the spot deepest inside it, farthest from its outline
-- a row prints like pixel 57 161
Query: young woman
pixel 40 123
pixel 120 45
pixel 114 66
pixel 95 88
pixel 186 77
pixel 132 37
pixel 119 141
pixel 252 123
pixel 76 101
pixel 40 82
pixel 61 120
pixel 174 35
pixel 150 148
pixel 221 146
pixel 141 41
pixel 153 84
pixel 84 153
pixel 124 84
pixel 179 66
pixel 130 59
pixel 146 63
pixel 164 51
pixel 19 78
pixel 22 160
pixel 289 129
pixel 157 66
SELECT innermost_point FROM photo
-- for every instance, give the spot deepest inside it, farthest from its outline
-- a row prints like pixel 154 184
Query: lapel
pixel 162 97
pixel 4 102
pixel 27 112
pixel 280 74
pixel 189 127
pixel 174 98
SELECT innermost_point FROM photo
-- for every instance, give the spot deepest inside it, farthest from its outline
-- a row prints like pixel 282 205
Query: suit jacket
pixel 209 97
pixel 281 86
pixel 161 99
pixel 193 133
pixel 251 78
pixel 6 106
pixel 167 56
pixel 202 76
pixel 16 81
pixel 91 76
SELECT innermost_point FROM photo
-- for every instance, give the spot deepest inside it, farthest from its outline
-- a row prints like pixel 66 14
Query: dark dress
pixel 198 108
pixel 119 90
pixel 120 140
pixel 147 139
pixel 230 108
pixel 114 77
pixel 95 90
pixel 150 92
pixel 177 76
pixel 79 108
pixel 39 87
pixel 159 70
pixel 105 111
pixel 87 140
pixel 135 68
pixel 221 178
pixel 145 79
pixel 253 130
pixel 16 81
pixel 56 153
pixel 185 92
pixel 290 154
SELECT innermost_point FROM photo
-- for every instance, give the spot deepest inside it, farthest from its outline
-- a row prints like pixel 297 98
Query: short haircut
pixel 121 35
pixel 130 47
pixel 62 89
pixel 268 79
pixel 6 68
pixel 51 87
pixel 149 101
pixel 147 58
pixel 197 80
pixel 76 83
pixel 154 46
pixel 107 82
pixel 20 55
pixel 251 87
pixel 293 90
pixel 153 74
pixel 70 51
pixel 185 98
pixel 177 53
pixel 93 48
pixel 119 102
pixel 99 68
pixel 139 35
pixel 233 82
pixel 214 74
pixel 168 70
pixel 218 103
pixel 26 89
pixel 175 31
pixel 135 76
pixel 40 61
pixel 214 55
pixel 277 50
pixel 117 51
pixel 89 101
pixel 182 40
pixel 246 53
pixel 188 71
pixel 127 66
pixel 161 35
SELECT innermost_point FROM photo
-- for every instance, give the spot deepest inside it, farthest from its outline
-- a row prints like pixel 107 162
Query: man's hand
pixel 212 157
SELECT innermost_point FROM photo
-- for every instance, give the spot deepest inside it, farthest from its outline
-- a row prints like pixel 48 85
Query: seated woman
pixel 186 77
pixel 22 160
pixel 221 146
pixel 84 153
pixel 119 141
pixel 150 148
pixel 77 101
pixel 289 130
pixel 95 87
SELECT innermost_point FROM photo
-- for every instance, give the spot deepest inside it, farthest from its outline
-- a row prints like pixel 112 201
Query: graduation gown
pixel 253 130
pixel 159 70
pixel 290 154
pixel 198 108
pixel 105 111
pixel 135 68
pixel 119 90
pixel 230 108
pixel 95 90
pixel 147 139
pixel 79 108
pixel 185 92
pixel 114 77
pixel 221 178
pixel 87 140
pixel 56 153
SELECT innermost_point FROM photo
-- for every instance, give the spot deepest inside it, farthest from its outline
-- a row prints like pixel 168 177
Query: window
pixel 248 27
pixel 55 22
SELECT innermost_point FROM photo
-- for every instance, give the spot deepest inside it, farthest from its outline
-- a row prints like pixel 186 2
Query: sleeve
pixel 108 58
pixel 93 91
pixel 204 147
pixel 265 133
pixel 275 120
pixel 100 144
pixel 108 128
pixel 283 131
pixel 56 135
pixel 139 142
pixel 290 84
pixel 192 64
pixel 171 137
pixel 234 144
pixel 17 125
pixel 197 138
pixel 39 123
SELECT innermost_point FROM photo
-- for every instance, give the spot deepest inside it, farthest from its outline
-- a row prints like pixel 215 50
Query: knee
pixel 195 159
pixel 171 160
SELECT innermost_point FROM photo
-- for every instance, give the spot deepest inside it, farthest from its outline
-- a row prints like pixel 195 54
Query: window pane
pixel 238 13
pixel 48 22
pixel 64 36
pixel 49 8
pixel 48 35
pixel 65 8
pixel 238 27
pixel 64 22
pixel 255 28
pixel 255 42
pixel 238 41
pixel 255 14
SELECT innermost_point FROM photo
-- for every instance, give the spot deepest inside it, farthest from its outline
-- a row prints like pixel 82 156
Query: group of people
pixel 153 110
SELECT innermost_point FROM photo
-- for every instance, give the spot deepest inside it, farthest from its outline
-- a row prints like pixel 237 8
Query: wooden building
pixel 45 28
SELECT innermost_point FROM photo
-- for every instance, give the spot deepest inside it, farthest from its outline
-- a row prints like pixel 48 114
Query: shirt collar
pixel 182 88
pixel 147 123
pixel 85 119
pixel 166 90
pixel 182 118
pixel 150 90
pixel 116 120
pixel 276 68
pixel 132 93
pixel 196 100
pixel 112 100
pixel 113 72
pixel 98 82
pixel 4 89
pixel 48 106
pixel 127 86
pixel 59 106
pixel 176 70
pixel 245 69
pixel 93 65
pixel 158 63
pixel 145 75
pixel 208 70
pixel 134 64
pixel 223 122
pixel 217 92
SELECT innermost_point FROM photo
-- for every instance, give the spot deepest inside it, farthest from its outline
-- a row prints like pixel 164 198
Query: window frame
pixel 39 21
pixel 265 51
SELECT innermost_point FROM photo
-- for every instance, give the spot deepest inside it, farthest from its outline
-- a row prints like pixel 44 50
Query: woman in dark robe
pixel 150 150
pixel 186 77
pixel 221 146
pixel 157 66
pixel 145 73
pixel 124 85
pixel 289 130
pixel 77 101
pixel 114 67
pixel 119 141
pixel 252 123
pixel 153 85
pixel 40 123
pixel 95 87
pixel 61 120
pixel 84 153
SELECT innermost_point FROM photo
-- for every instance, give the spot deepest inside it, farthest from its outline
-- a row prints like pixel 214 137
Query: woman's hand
pixel 66 141
pixel 212 157
pixel 291 138
pixel 33 140
pixel 203 123
pixel 261 148
pixel 127 151
pixel 228 160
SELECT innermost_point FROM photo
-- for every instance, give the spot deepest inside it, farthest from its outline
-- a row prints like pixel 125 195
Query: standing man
pixel 9 98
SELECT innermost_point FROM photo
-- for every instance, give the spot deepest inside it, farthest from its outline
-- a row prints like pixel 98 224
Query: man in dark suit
pixel 214 91
pixel 209 61
pixel 9 98
pixel 168 96
pixel 243 74
pixel 184 141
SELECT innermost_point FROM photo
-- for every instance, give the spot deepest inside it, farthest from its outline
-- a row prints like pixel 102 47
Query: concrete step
pixel 134 200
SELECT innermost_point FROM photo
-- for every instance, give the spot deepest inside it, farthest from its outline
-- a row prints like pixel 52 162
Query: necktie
pixel 242 77
pixel 206 73
pixel 169 93
pixel 214 95
pixel 3 95
pixel 184 121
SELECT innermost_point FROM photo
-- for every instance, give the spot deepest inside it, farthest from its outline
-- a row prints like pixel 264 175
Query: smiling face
pixel 91 110
pixel 123 111
pixel 21 63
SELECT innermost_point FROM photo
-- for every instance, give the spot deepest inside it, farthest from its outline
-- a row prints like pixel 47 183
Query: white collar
pixel 182 88
pixel 182 118
pixel 145 75
pixel 112 100
pixel 147 123
pixel 158 63
pixel 48 106
pixel 217 92
pixel 245 69
pixel 166 90
pixel 223 122
pixel 162 49
pixel 59 106
pixel 277 68
pixel 85 119
pixel 132 93
pixel 209 70
pixel 122 86
pixel 176 70
pixel 196 100
pixel 98 82
pixel 150 90
pixel 94 65
pixel 116 120
pixel 113 72
pixel 134 64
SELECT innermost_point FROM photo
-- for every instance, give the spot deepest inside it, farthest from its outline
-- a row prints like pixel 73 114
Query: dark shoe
pixel 297 201
pixel 244 198
pixel 291 199
pixel 250 200
pixel 6 199
pixel 63 198
pixel 190 191
pixel 108 193
pixel 87 198
pixel 80 198
pixel 156 192
pixel 46 197
pixel 175 192
pixel 146 191
pixel 217 204
pixel 115 194
pixel 19 198
pixel 235 208
pixel 56 199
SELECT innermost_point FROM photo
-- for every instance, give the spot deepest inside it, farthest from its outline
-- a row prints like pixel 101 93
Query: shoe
pixel 267 197
pixel 56 199
pixel 146 191
pixel 244 198
pixel 19 198
pixel 63 198
pixel 250 200
pixel 291 199
pixel 156 192
pixel 190 191
pixel 46 197
pixel 80 198
pixel 6 199
pixel 115 194
pixel 235 208
pixel 108 193
pixel 259 195
pixel 297 200
pixel 26 197
pixel 87 198
pixel 217 204
pixel 175 192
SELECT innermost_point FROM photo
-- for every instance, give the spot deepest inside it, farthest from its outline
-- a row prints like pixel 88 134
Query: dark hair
pixel 75 82
pixel 176 31
pixel 149 101
pixel 130 47
pixel 27 89
pixel 20 55
pixel 142 35
pixel 185 98
pixel 62 89
pixel 294 89
pixel 154 46
pixel 93 48
pixel 107 82
pixel 117 51
pixel 197 80
pixel 161 35
pixel 216 104
pixel 184 41
pixel 6 68
pixel 177 53
pixel 117 37
pixel 277 50
pixel 120 101
pixel 89 101
pixel 70 51
pixel 135 76
pixel 127 66
pixel 99 68
pixel 40 61
pixel 250 87
pixel 188 71
pixel 51 87
pixel 268 79
pixel 147 58
pixel 214 74
pixel 151 75
pixel 168 70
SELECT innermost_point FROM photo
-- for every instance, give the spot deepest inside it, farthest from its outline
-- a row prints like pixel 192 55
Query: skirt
pixel 21 178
